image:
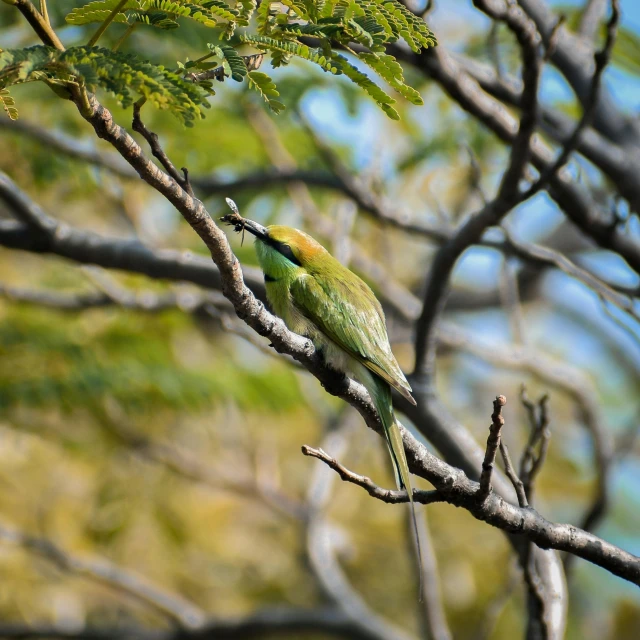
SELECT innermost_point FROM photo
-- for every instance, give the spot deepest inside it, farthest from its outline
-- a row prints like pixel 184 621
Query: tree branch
pixel 569 57
pixel 277 622
pixel 589 106
pixel 453 487
pixel 446 258
pixel 119 579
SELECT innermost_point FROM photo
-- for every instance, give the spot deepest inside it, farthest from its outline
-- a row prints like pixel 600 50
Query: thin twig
pixel 493 443
pixel 108 20
pixel 156 149
pixel 390 496
pixel 513 476
pixel 531 461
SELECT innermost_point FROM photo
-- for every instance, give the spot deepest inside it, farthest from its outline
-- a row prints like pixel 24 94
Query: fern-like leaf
pixel 99 11
pixel 121 74
pixel 403 23
pixel 291 47
pixel 232 63
pixel 265 18
pixel 154 18
pixel 280 59
pixel 245 9
pixel 383 99
pixel 389 69
pixel 209 13
pixel 298 8
pixel 265 86
pixel 348 9
pixel 8 104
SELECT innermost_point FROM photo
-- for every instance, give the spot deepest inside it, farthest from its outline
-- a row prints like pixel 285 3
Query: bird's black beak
pixel 256 229
pixel 240 224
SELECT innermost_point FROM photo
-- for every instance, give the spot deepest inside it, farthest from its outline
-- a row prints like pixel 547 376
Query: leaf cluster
pixel 122 74
pixel 344 25
pixel 317 31
pixel 162 13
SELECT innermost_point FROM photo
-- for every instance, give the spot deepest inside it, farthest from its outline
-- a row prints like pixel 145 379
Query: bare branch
pixel 618 163
pixel 513 476
pixel 377 207
pixel 621 298
pixel 569 57
pixel 272 622
pixel 446 258
pixel 592 14
pixel 531 461
pixel 112 253
pixel 589 105
pixel 390 496
pixel 121 580
pixel 24 209
pixel 158 151
pixel 576 203
pixel 322 552
pixel 453 487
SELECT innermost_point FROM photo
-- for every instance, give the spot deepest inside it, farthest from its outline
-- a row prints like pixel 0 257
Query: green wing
pixel 348 312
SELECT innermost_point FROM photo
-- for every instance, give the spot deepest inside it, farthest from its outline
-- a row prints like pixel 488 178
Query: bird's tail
pixel 380 392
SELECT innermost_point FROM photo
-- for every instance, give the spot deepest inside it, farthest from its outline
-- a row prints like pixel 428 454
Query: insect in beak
pixel 241 224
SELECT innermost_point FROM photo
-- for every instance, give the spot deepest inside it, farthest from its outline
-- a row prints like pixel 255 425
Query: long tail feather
pixel 381 395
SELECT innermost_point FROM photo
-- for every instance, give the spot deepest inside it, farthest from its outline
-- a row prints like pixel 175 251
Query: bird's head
pixel 277 244
pixel 280 249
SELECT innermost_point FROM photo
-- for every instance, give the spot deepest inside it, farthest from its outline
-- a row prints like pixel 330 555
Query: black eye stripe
pixel 285 250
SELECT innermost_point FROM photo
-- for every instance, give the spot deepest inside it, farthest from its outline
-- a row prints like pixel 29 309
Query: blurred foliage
pixel 79 391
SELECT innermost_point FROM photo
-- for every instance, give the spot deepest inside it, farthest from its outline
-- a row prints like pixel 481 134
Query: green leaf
pixel 245 10
pixel 8 104
pixel 99 11
pixel 265 86
pixel 383 99
pixel 121 74
pixel 160 13
pixel 298 8
pixel 291 47
pixel 232 63
pixel 389 69
pixel 265 17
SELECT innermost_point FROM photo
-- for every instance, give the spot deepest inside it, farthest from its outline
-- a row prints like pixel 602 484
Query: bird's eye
pixel 286 251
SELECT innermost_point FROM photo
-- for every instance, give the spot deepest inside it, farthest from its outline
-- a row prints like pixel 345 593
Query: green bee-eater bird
pixel 318 297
